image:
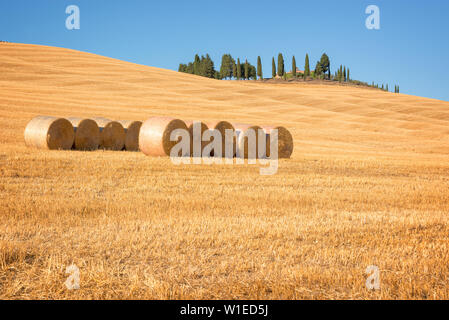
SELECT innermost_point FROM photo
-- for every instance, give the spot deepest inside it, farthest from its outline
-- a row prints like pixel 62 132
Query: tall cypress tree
pixel 234 69
pixel 273 69
pixel 325 64
pixel 259 68
pixel 307 67
pixel 246 69
pixel 344 73
pixel 196 65
pixel 280 65
pixel 347 76
pixel 294 67
pixel 239 69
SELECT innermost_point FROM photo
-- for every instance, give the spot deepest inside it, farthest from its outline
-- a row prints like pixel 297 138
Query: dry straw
pixel 243 131
pixel 51 133
pixel 154 138
pixel 222 126
pixel 112 134
pixel 285 142
pixel 87 134
pixel 197 139
pixel 132 130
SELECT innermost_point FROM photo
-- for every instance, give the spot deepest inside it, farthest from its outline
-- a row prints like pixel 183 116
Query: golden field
pixel 367 185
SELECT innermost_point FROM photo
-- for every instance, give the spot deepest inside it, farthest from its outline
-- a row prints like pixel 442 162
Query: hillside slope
pixel 324 119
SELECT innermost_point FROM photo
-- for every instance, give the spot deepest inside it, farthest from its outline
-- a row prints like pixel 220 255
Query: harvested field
pixel 367 184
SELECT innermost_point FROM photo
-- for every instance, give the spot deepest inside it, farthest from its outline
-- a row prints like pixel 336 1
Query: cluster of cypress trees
pixel 231 69
pixel 203 66
pixel 342 74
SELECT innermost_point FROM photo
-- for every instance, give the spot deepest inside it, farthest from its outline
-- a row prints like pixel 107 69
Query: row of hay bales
pixel 154 138
pixel 84 134
pixel 151 137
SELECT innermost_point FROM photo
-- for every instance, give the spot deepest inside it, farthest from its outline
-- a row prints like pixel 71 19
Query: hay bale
pixel 222 126
pixel 285 142
pixel 87 134
pixel 49 133
pixel 154 137
pixel 197 140
pixel 112 134
pixel 132 130
pixel 243 143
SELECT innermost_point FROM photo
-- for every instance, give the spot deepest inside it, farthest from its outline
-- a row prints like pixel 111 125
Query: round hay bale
pixel 49 133
pixel 132 130
pixel 87 134
pixel 222 126
pixel 285 142
pixel 154 137
pixel 112 134
pixel 242 131
pixel 204 128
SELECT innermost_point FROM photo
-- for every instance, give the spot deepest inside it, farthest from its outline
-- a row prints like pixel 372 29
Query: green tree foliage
pixel 239 69
pixel 196 65
pixel 324 64
pixel 307 67
pixel 234 70
pixel 318 70
pixel 273 69
pixel 294 67
pixel 280 65
pixel 246 68
pixel 203 66
pixel 227 63
pixel 259 68
pixel 347 76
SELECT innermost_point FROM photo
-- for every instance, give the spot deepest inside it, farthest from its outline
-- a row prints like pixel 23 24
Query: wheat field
pixel 367 185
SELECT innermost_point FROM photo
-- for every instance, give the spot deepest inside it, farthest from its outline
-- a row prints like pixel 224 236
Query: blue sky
pixel 411 48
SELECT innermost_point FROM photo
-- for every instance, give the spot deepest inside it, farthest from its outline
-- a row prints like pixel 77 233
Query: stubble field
pixel 367 185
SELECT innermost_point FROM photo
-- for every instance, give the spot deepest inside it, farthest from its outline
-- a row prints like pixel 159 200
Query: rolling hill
pixel 323 118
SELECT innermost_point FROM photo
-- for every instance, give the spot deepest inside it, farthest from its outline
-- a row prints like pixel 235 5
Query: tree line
pixel 235 69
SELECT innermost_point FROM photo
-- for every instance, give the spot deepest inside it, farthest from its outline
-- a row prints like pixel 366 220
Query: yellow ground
pixel 367 185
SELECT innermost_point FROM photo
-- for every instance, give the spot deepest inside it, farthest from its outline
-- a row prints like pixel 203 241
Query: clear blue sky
pixel 411 48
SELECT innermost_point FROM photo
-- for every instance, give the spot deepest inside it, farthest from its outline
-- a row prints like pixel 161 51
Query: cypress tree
pixel 196 65
pixel 307 67
pixel 246 69
pixel 325 64
pixel 294 67
pixel 273 69
pixel 386 89
pixel 347 76
pixel 280 65
pixel 234 70
pixel 239 69
pixel 344 73
pixel 259 68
